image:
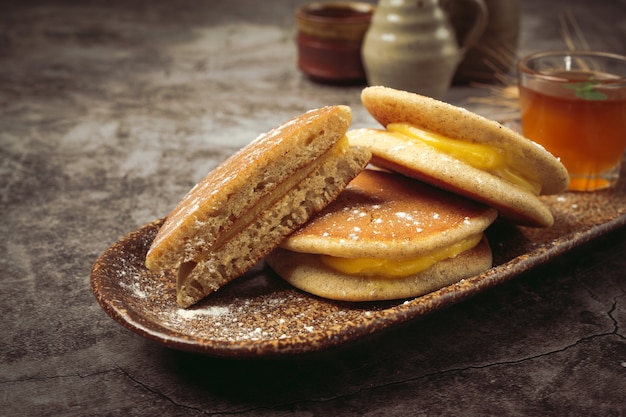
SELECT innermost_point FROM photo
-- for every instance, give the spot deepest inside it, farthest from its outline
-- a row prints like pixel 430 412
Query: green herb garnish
pixel 587 90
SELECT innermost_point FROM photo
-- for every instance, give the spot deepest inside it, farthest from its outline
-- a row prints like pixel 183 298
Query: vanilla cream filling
pixel 481 156
pixel 398 268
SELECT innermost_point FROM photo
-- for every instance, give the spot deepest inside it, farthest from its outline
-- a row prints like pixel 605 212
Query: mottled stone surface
pixel 111 110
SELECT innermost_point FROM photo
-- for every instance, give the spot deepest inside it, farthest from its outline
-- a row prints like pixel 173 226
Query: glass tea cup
pixel 574 104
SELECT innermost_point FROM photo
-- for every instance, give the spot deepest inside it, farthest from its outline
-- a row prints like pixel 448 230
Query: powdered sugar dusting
pixel 134 288
pixel 208 311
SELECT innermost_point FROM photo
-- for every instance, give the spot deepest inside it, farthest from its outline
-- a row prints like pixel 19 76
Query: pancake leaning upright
pixel 243 208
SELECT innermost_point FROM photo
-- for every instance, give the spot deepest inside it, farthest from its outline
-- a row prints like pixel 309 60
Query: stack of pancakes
pixel 410 223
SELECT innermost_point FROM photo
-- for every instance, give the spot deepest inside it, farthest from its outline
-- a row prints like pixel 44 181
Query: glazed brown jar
pixel 329 40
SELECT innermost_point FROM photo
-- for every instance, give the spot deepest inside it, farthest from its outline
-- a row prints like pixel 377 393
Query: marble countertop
pixel 111 111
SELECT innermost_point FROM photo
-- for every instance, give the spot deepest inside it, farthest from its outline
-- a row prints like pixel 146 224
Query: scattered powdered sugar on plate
pixel 134 288
pixel 215 311
pixel 259 314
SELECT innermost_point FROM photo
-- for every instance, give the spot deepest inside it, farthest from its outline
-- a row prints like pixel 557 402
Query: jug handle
pixel 478 26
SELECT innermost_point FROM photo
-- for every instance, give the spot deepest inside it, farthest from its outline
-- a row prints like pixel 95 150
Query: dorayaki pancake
pixel 386 237
pixel 243 208
pixel 503 169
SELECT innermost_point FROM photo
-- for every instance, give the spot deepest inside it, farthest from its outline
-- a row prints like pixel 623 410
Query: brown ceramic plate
pixel 260 315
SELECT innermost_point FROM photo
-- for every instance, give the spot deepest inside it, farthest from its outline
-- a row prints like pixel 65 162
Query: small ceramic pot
pixel 329 40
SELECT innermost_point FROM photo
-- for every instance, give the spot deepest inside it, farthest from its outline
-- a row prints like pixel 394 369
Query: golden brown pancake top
pixel 385 213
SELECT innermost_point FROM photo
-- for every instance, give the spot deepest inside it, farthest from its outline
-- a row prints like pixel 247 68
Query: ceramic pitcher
pixel 411 45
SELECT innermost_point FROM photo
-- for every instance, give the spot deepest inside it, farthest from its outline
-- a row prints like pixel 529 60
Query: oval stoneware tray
pixel 259 314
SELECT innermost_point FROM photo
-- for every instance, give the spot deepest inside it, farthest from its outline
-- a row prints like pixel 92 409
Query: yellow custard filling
pixel 394 268
pixel 342 144
pixel 481 156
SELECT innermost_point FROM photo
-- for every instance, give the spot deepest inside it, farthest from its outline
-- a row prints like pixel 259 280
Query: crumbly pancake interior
pixel 270 226
pixel 242 209
pixel 210 209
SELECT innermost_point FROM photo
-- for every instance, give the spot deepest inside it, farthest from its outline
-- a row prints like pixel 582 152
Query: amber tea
pixel 579 116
